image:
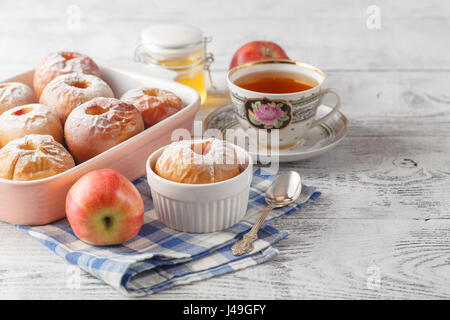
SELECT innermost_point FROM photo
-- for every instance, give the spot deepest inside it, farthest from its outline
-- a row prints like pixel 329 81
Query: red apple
pixel 257 50
pixel 104 208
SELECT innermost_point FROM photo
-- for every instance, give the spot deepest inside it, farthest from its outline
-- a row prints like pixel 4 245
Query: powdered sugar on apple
pixel 205 154
pixel 13 94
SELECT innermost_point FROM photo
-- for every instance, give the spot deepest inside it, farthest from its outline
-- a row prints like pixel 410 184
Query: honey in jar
pixel 178 47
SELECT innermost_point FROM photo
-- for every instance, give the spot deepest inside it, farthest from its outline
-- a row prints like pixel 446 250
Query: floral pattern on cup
pixel 268 114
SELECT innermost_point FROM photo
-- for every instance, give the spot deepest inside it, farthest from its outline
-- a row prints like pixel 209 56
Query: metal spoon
pixel 283 191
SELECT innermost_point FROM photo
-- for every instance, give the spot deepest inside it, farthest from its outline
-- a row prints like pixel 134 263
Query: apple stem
pixel 108 222
pixel 267 52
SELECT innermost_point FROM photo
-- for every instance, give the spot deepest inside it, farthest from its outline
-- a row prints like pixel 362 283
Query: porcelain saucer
pixel 317 141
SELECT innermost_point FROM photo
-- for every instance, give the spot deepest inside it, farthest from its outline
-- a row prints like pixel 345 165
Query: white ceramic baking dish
pixel 43 201
pixel 200 208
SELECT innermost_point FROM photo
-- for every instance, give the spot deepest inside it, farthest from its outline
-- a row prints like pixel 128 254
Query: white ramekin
pixel 200 207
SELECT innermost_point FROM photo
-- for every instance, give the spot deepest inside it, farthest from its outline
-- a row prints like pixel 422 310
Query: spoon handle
pixel 246 243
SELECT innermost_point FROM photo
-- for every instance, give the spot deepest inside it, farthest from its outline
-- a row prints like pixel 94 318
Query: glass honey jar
pixel 178 47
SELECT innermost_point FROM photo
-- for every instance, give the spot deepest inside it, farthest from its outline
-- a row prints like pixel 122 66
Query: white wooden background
pixel 382 226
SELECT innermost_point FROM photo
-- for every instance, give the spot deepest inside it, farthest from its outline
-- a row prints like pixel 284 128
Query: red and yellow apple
pixel 257 50
pixel 104 208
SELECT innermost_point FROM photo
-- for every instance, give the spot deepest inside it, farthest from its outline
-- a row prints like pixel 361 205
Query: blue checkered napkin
pixel 159 258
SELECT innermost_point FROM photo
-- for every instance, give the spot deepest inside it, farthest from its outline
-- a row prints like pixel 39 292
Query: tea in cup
pixel 280 95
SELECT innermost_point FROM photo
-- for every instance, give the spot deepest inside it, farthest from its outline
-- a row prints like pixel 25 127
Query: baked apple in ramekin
pixel 200 185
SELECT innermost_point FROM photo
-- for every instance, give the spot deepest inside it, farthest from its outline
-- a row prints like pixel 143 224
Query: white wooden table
pixel 381 229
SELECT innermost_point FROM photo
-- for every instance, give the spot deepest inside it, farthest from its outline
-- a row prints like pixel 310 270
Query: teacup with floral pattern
pixel 291 114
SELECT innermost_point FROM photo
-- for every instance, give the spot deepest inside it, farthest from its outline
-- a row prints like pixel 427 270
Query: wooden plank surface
pixel 331 34
pixel 380 229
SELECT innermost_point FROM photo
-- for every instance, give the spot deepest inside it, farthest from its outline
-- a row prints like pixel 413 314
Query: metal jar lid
pixel 171 41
